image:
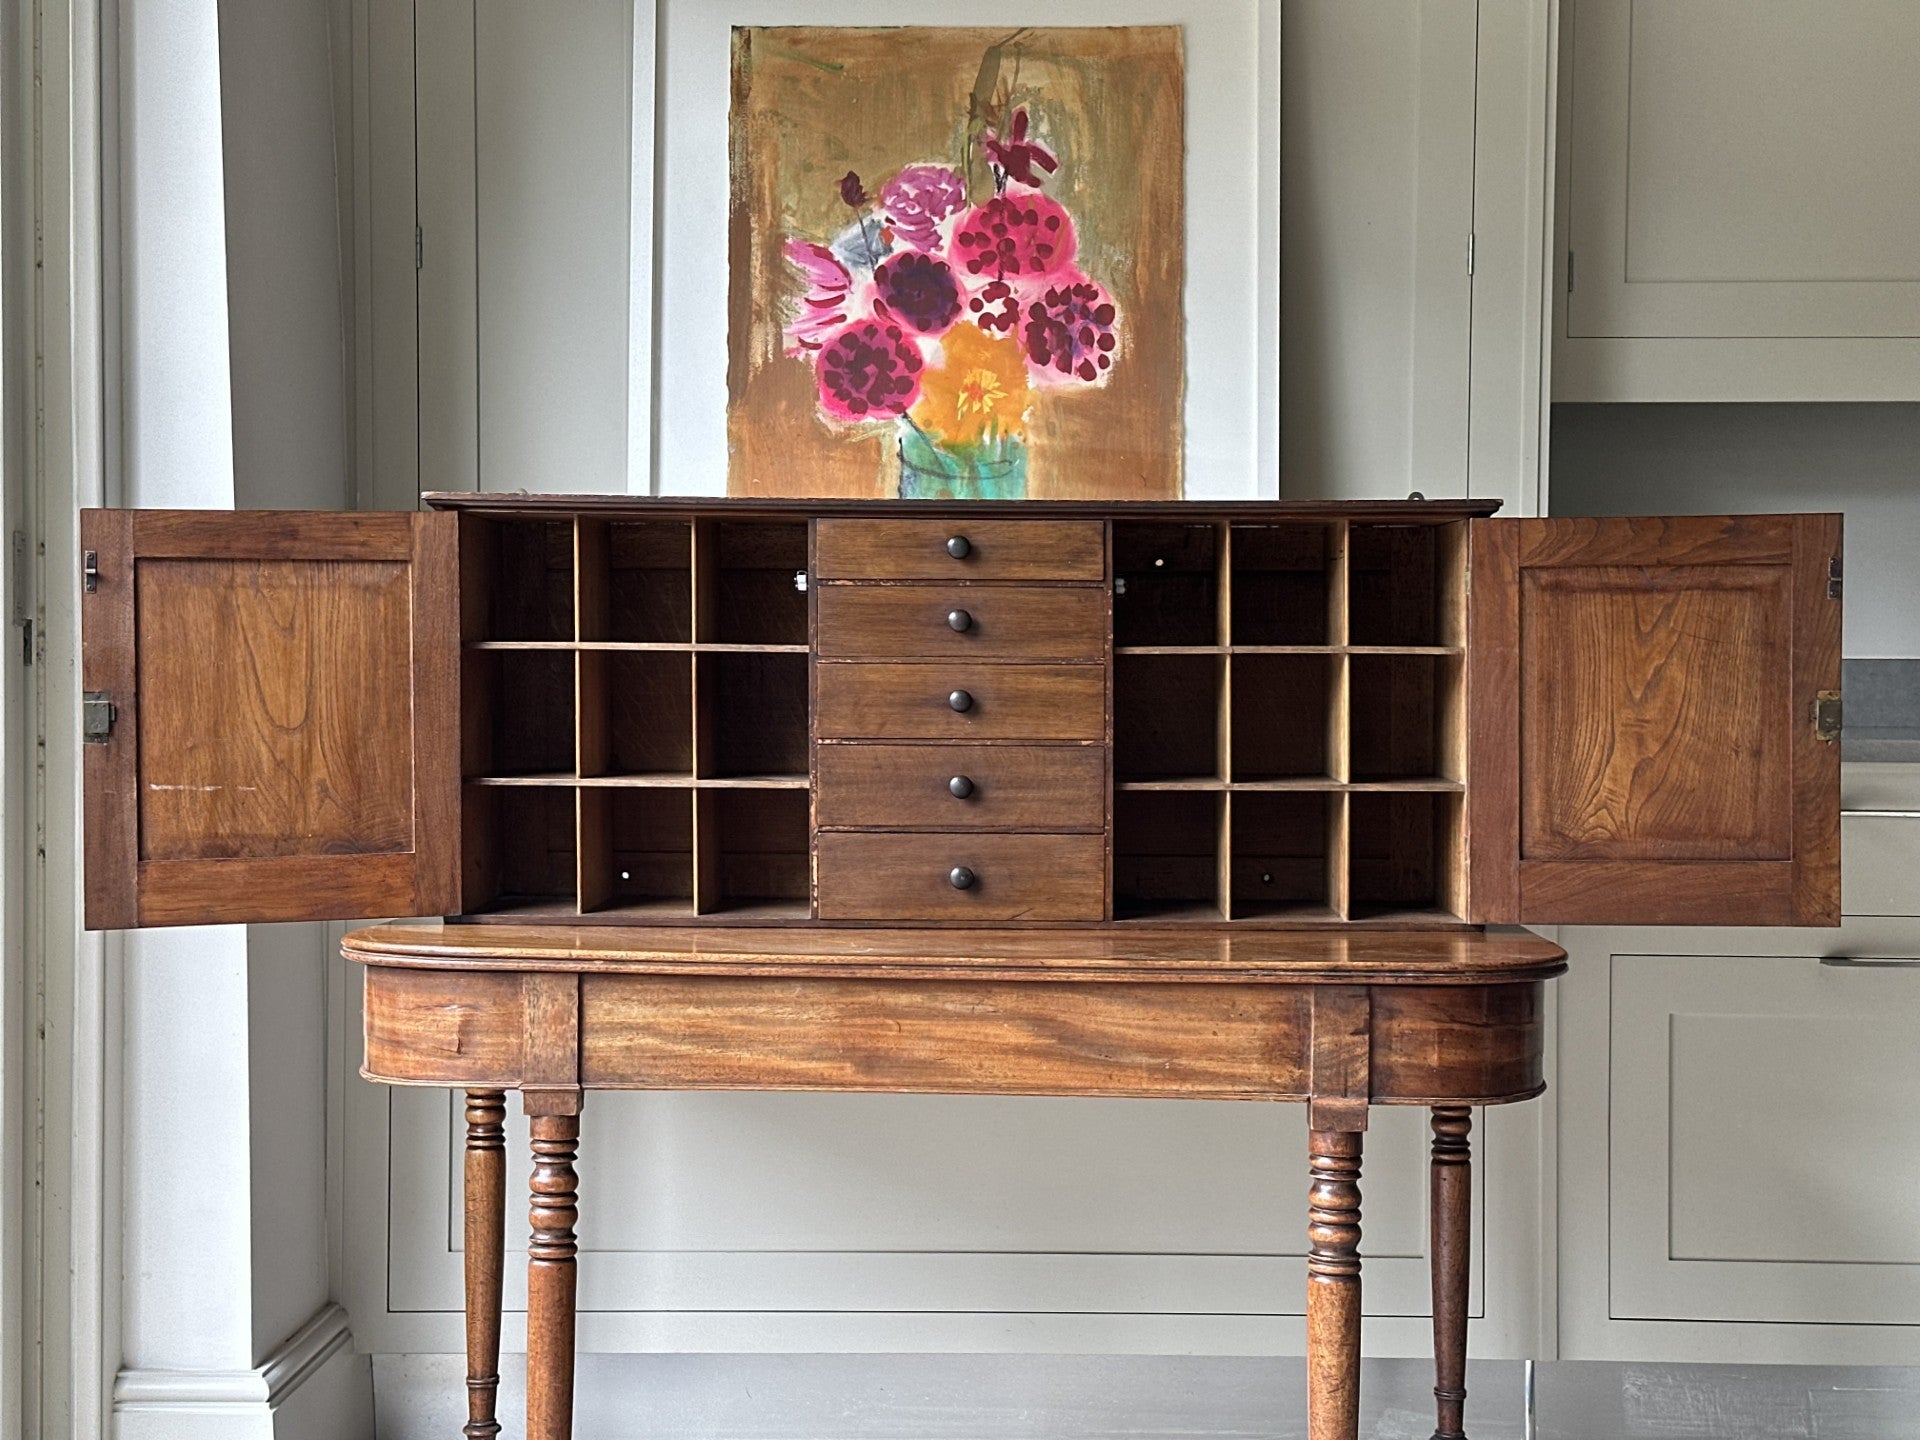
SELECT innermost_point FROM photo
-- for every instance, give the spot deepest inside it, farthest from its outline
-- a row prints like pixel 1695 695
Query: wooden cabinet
pixel 1240 714
pixel 1741 193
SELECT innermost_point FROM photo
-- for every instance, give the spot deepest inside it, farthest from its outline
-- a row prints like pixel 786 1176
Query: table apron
pixel 1471 1043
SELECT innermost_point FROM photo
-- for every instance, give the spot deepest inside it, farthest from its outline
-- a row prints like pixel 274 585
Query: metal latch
pixel 97 714
pixel 1834 575
pixel 1826 715
pixel 90 570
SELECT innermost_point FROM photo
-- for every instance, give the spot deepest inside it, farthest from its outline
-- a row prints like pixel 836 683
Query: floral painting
pixel 956 261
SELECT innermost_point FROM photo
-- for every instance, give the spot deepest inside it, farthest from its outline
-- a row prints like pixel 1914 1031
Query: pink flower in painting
pixel 1017 157
pixel 1069 330
pixel 824 308
pixel 918 291
pixel 917 199
pixel 869 371
pixel 1019 235
pixel 995 308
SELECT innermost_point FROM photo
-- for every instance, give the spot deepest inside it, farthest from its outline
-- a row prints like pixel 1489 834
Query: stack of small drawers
pixel 961 720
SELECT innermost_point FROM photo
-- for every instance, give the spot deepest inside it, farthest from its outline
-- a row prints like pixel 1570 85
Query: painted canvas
pixel 956 258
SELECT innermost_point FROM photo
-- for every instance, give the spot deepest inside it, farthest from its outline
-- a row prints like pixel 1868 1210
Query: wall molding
pixel 266 1385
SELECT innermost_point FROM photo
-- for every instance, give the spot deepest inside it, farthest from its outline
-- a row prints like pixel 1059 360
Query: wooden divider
pixel 1377 668
pixel 638 622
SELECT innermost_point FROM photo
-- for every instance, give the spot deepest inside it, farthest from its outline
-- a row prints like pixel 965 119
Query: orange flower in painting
pixel 979 392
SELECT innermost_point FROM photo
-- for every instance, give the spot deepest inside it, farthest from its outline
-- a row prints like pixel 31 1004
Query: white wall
pixel 234 394
pixel 1863 460
pixel 285 319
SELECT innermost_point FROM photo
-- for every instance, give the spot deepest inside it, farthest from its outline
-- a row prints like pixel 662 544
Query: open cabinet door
pixel 1648 743
pixel 272 715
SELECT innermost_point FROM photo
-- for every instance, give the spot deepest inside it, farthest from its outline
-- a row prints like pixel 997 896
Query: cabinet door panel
pixel 285 702
pixel 1643 744
pixel 1714 1059
pixel 1742 171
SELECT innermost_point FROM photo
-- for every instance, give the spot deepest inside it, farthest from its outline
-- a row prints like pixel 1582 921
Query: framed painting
pixel 1013 251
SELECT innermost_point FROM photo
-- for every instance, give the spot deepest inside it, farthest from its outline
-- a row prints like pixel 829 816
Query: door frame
pixel 60 1072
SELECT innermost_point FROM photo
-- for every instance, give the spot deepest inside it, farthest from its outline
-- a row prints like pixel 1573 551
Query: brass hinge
pixel 1826 715
pixel 97 714
pixel 1833 578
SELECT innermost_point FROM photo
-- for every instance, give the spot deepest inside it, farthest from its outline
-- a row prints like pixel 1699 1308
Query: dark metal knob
pixel 959 547
pixel 960 787
pixel 960 877
pixel 959 620
pixel 960 700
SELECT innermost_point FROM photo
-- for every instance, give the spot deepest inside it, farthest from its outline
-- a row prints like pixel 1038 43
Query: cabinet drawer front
pixel 1016 787
pixel 1014 877
pixel 1008 702
pixel 995 550
pixel 872 622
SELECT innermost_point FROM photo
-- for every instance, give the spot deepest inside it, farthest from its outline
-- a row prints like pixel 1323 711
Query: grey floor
pixel 991 1397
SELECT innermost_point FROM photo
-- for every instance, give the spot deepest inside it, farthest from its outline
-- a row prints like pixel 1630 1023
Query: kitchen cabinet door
pixel 272 716
pixel 1646 720
pixel 1742 193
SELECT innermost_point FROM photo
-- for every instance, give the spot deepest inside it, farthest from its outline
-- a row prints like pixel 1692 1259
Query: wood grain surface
pixel 1333 1285
pixel 1014 787
pixel 1411 957
pixel 735 507
pixel 910 701
pixel 1692 657
pixel 978 1037
pixel 1641 694
pixel 1003 622
pixel 285 686
pixel 484 1191
pixel 1346 1046
pixel 267 685
pixel 996 549
pixel 905 877
pixel 1450 1252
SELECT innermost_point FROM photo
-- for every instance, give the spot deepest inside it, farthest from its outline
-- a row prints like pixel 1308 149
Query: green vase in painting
pixel 992 468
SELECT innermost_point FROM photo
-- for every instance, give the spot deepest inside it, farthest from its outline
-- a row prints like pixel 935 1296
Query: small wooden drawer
pixel 992 550
pixel 962 787
pixel 989 622
pixel 1007 877
pixel 998 702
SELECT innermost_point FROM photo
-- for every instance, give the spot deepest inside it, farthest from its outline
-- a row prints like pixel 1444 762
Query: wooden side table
pixel 1340 1020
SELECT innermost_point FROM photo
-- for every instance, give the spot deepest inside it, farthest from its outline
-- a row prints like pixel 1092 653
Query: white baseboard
pixel 314 1387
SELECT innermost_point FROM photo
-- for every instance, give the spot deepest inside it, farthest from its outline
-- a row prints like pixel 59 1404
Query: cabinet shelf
pixel 1289 721
pixel 1288 650
pixel 1133 910
pixel 642 647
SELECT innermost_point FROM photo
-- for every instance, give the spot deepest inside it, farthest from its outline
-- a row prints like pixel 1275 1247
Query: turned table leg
pixel 1452 1241
pixel 550 1277
pixel 1333 1285
pixel 485 1244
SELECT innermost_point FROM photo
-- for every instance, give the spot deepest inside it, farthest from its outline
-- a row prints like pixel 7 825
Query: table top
pixel 1319 956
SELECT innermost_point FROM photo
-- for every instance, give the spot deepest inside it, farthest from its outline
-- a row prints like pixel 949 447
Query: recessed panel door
pixel 1654 720
pixel 272 716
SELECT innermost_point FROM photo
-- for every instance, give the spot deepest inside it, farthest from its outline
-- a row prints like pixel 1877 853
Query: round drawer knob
pixel 960 787
pixel 960 877
pixel 960 700
pixel 959 620
pixel 959 547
